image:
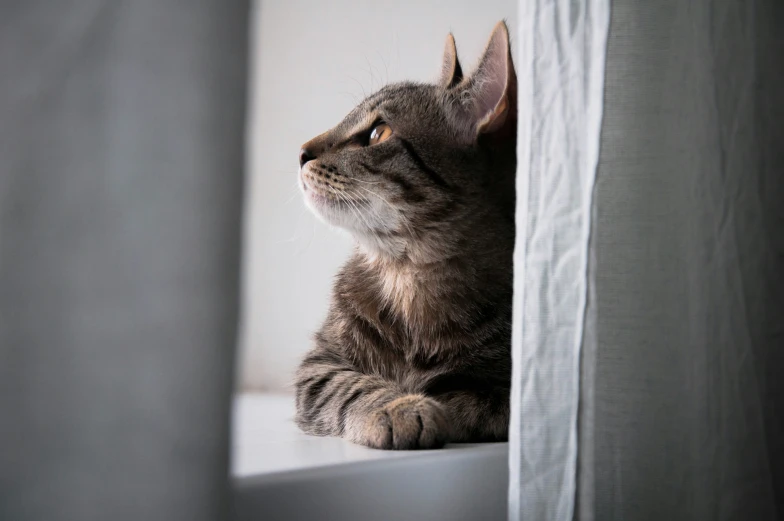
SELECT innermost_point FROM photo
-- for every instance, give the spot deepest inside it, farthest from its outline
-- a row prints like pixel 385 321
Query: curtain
pixel 121 155
pixel 561 71
pixel 676 374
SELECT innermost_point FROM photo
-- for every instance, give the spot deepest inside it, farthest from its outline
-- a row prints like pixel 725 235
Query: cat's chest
pixel 393 347
pixel 401 322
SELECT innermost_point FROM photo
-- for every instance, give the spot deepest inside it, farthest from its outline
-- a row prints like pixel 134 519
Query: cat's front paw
pixel 410 422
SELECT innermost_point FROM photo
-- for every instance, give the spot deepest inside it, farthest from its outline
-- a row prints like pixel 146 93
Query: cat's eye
pixel 379 134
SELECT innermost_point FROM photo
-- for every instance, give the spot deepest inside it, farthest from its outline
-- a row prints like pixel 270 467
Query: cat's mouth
pixel 326 201
pixel 333 204
pixel 320 195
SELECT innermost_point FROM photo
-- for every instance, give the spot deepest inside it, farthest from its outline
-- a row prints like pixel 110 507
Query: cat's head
pixel 414 169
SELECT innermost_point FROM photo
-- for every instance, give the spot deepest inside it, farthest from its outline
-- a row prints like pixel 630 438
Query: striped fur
pixel 415 350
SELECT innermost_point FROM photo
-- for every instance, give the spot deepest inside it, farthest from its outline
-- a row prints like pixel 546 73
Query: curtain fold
pixel 561 75
pixel 121 167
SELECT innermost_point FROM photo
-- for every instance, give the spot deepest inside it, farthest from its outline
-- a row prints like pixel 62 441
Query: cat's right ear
pixel 487 99
pixel 451 72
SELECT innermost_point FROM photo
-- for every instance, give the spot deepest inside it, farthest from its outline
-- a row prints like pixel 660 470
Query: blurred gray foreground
pixel 121 155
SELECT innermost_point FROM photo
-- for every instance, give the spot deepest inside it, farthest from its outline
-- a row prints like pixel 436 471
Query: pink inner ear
pixel 451 72
pixel 490 81
pixel 487 97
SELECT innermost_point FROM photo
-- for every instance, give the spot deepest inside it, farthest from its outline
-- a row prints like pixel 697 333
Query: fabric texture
pixel 684 346
pixel 121 168
pixel 561 74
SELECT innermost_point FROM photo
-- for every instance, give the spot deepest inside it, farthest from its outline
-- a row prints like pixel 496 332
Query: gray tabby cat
pixel 415 350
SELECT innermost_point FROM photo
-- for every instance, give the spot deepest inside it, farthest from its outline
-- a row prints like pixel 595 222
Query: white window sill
pixel 283 474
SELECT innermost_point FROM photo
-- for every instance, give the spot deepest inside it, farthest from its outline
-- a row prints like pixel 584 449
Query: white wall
pixel 312 63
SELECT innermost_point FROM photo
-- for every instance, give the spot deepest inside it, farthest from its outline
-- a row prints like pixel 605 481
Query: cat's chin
pixel 317 201
pixel 347 217
pixel 328 210
pixel 333 214
pixel 325 208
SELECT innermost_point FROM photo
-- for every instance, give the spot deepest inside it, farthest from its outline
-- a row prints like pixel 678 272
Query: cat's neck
pixel 429 293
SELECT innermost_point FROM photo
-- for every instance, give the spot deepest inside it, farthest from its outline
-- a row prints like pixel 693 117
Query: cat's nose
pixel 306 154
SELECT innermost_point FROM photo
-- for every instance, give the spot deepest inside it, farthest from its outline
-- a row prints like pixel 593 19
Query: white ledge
pixel 281 473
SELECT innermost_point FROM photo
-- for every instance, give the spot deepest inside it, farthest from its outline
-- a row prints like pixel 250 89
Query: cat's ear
pixel 451 72
pixel 490 95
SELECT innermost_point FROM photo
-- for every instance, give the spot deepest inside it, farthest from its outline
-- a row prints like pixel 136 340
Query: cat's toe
pixel 410 422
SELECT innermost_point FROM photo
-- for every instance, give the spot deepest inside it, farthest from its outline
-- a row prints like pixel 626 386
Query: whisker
pixel 312 234
pixel 386 68
pixel 302 210
pixel 364 203
pixel 367 182
pixel 290 198
pixel 377 195
pixel 401 215
pixel 358 213
pixel 364 94
pixel 342 197
pixel 372 76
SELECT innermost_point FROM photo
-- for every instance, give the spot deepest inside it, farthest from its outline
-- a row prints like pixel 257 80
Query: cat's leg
pixel 333 399
pixel 477 410
pixel 477 417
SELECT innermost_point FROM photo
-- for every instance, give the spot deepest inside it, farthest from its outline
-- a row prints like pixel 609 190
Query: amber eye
pixel 379 134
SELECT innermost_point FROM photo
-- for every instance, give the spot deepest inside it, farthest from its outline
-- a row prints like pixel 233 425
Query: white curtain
pixel 562 48
pixel 649 307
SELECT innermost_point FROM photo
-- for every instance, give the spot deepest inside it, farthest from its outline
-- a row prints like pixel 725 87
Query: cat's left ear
pixel 491 95
pixel 451 72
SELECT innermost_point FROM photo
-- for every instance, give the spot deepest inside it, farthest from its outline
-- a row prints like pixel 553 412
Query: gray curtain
pixel 649 281
pixel 121 156
pixel 682 395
